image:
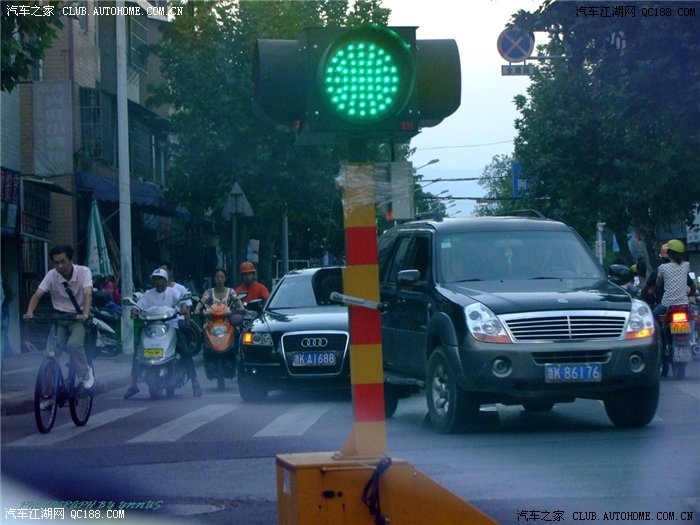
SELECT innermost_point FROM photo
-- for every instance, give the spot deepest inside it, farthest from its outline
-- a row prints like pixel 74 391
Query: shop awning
pixel 107 189
pixel 48 185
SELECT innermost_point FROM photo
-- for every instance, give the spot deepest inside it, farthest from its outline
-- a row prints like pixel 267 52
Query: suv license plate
pixel 314 359
pixel 585 373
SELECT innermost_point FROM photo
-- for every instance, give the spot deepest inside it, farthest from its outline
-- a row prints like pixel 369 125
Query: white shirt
pixel 167 297
pixel 52 283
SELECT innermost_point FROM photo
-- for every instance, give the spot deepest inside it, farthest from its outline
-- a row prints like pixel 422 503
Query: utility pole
pixel 127 280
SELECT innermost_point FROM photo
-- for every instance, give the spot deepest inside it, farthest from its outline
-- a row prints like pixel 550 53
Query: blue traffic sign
pixel 515 45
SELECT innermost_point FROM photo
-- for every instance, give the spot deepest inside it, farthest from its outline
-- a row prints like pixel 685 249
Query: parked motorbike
pixel 677 337
pixel 695 325
pixel 107 316
pixel 156 351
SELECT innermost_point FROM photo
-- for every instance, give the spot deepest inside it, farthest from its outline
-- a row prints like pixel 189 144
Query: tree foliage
pixel 206 59
pixel 609 127
pixel 497 181
pixel 27 30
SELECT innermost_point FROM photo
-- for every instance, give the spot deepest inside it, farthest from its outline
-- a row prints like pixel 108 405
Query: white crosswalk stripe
pixel 177 428
pixel 69 430
pixel 295 421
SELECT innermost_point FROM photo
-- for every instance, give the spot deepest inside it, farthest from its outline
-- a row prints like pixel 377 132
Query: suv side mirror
pixel 620 274
pixel 407 278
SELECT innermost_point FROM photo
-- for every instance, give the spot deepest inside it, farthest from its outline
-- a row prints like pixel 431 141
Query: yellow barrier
pixel 320 488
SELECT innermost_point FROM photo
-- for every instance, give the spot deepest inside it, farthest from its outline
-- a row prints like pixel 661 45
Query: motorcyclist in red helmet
pixel 250 285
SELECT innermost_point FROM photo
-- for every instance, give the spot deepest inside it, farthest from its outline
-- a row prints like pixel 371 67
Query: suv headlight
pixel 484 325
pixel 641 321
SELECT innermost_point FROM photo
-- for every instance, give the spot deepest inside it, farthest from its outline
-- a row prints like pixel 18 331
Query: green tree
pixel 206 62
pixel 497 180
pixel 608 130
pixel 27 29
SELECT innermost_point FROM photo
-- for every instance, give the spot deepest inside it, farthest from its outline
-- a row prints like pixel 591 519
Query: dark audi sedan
pixel 301 340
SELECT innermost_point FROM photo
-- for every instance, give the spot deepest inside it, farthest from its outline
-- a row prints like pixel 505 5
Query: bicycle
pixel 51 389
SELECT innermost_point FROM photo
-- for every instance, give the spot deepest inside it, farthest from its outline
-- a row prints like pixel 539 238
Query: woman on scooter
pixel 673 276
pixel 220 294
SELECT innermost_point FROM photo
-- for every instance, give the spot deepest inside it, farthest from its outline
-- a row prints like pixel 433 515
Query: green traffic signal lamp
pixel 337 83
pixel 367 75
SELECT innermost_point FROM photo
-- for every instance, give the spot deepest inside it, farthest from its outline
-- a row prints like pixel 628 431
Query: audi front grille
pixel 311 345
pixel 566 326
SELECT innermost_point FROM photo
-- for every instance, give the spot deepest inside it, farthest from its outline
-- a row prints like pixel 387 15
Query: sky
pixel 483 126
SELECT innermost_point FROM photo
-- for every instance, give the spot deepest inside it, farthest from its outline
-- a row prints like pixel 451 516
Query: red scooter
pixel 677 337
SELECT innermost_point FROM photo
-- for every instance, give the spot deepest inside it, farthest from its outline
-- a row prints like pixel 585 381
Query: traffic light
pixel 367 81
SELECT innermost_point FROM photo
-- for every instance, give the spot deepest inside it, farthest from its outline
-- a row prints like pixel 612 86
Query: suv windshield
pixel 504 255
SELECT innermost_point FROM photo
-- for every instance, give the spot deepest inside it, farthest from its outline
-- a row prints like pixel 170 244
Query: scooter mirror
pixel 128 301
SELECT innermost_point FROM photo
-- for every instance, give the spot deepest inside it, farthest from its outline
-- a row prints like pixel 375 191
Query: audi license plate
pixel 314 359
pixel 680 328
pixel 573 373
pixel 152 352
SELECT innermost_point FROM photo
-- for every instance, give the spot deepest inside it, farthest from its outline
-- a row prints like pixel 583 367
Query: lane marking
pixel 295 421
pixel 177 428
pixel 692 389
pixel 69 430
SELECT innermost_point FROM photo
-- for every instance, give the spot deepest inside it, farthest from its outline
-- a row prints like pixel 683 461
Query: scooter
pixel 220 343
pixel 161 364
pixel 677 337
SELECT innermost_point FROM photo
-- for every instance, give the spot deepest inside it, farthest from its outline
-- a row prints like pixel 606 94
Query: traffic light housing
pixel 367 81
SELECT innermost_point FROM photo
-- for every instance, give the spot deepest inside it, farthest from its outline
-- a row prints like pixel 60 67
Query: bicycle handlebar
pixel 50 318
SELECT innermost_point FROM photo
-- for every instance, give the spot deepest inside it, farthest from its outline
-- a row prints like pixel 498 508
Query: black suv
pixel 510 310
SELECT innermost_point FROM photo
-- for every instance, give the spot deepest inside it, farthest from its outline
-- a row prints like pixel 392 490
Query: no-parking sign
pixel 515 45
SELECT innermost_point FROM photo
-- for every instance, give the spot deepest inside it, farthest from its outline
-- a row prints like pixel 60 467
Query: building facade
pixel 59 151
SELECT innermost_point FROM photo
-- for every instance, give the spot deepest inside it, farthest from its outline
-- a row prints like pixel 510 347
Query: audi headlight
pixel 257 338
pixel 484 325
pixel 641 321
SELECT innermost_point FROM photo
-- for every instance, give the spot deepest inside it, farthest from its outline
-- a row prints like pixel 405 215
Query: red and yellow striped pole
pixel 361 279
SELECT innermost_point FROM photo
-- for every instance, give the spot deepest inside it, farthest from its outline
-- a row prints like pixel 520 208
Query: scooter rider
pixel 162 295
pixel 673 277
pixel 250 285
pixel 219 294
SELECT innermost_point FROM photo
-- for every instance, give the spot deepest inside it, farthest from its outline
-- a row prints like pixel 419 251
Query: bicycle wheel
pixel 46 395
pixel 79 400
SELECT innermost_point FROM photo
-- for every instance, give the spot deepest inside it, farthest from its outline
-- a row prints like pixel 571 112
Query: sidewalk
pixel 19 375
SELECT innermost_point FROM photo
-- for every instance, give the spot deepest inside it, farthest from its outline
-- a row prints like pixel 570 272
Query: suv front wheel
pixel 450 408
pixel 634 407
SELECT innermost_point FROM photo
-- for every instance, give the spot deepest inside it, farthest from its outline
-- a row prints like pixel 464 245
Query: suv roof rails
pixel 521 213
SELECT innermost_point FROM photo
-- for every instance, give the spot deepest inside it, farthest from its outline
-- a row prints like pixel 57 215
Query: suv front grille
pixel 564 358
pixel 566 326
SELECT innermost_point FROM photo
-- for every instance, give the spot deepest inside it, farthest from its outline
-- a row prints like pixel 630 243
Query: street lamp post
pixel 432 161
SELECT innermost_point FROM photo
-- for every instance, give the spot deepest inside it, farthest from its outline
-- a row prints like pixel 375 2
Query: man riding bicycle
pixel 70 287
